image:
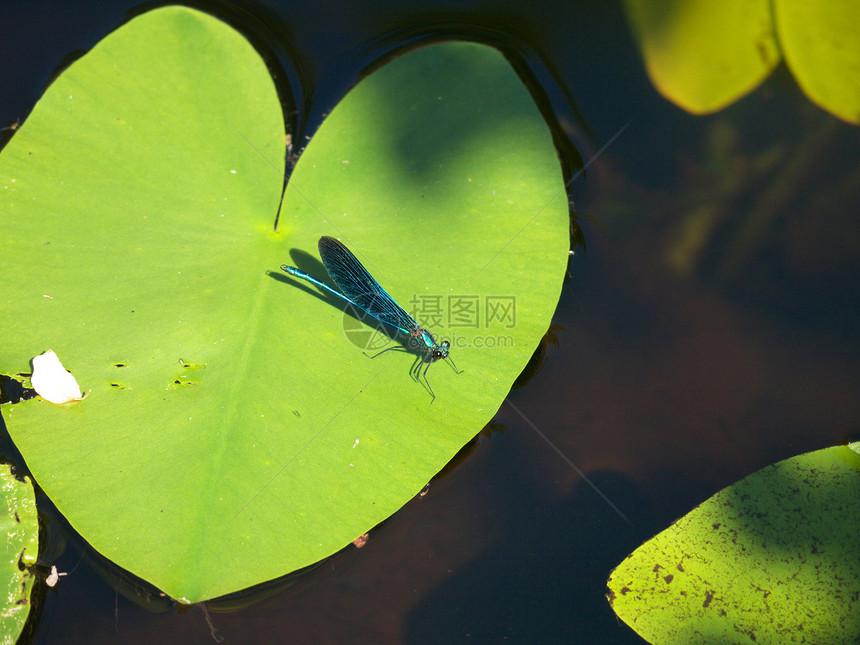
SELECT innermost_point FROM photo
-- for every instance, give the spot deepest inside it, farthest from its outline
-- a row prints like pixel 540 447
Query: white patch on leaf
pixel 51 380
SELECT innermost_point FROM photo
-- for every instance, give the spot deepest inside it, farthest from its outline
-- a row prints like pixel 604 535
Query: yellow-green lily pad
pixel 704 55
pixel 774 558
pixel 821 45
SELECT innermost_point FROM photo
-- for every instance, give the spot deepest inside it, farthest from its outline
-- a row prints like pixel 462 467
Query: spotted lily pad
pixel 775 558
pixel 20 530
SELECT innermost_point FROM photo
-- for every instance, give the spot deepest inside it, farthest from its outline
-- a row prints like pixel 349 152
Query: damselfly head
pixel 441 350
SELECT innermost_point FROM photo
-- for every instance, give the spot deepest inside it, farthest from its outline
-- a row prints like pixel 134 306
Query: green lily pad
pixel 19 525
pixel 821 45
pixel 704 55
pixel 774 558
pixel 234 431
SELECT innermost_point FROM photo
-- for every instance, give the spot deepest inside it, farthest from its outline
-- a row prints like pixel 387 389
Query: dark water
pixel 677 367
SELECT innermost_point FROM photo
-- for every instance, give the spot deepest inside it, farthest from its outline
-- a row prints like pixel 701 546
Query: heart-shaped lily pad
pixel 235 431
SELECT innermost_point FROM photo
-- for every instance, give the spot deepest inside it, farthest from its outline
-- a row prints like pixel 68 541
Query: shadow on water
pixel 544 580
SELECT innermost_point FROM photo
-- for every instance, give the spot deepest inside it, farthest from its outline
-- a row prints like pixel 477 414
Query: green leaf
pixel 771 559
pixel 704 55
pixel 20 527
pixel 821 45
pixel 234 431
